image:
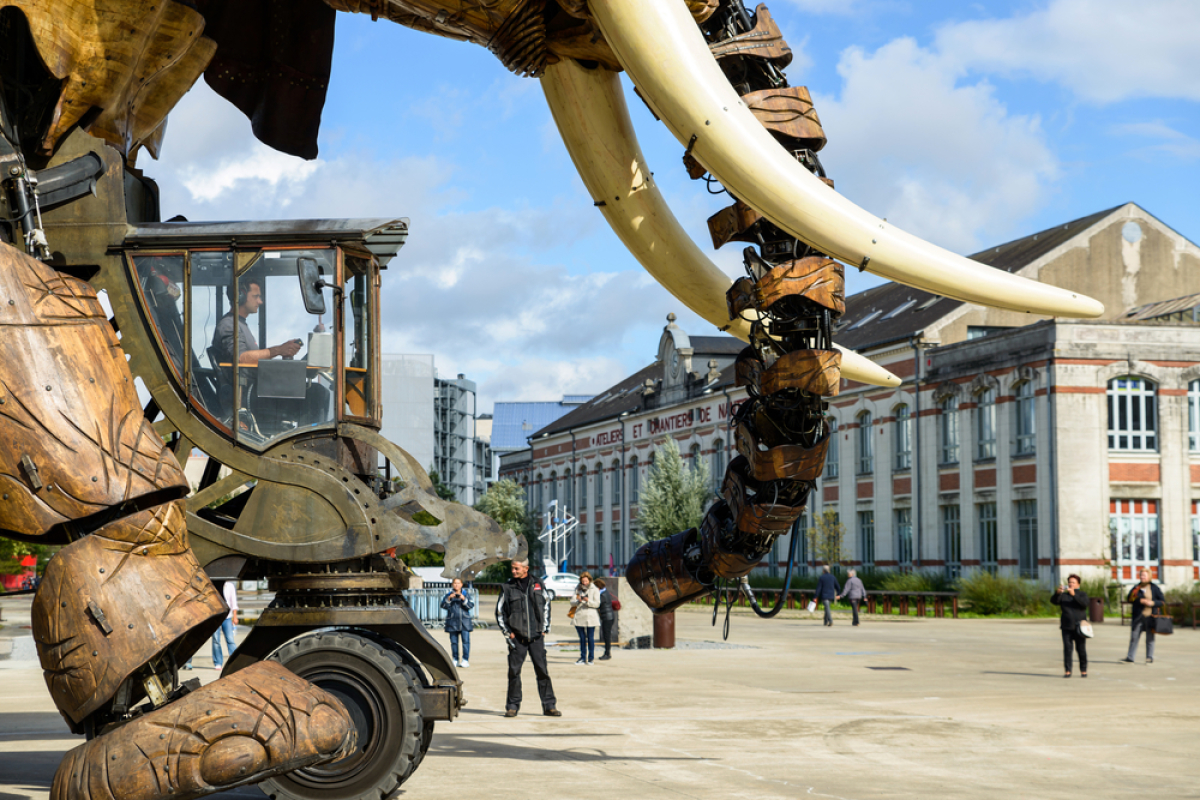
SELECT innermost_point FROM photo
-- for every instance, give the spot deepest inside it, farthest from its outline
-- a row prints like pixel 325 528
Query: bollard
pixel 664 630
pixel 1096 610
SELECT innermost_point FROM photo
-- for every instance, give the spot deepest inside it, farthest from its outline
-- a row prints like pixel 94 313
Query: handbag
pixel 1085 629
pixel 1163 624
pixel 571 613
pixel 616 605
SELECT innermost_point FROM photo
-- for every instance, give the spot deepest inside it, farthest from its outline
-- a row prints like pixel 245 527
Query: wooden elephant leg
pixel 257 723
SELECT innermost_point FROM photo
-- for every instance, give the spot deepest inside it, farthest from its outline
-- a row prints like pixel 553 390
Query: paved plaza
pixel 785 709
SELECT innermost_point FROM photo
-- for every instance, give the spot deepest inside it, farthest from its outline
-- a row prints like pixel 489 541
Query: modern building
pixel 454 444
pixel 1016 443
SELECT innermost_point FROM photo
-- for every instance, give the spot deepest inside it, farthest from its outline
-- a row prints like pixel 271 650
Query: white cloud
pixel 840 7
pixel 942 159
pixel 1103 50
pixel 1173 143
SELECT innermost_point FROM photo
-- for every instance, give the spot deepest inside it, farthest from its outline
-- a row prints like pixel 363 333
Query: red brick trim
pixel 1124 472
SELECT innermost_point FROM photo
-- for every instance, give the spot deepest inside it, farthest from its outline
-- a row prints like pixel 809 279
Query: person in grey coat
pixel 458 622
pixel 827 591
pixel 855 592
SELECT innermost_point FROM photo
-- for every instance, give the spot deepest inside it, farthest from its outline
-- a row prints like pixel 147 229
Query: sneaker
pixel 511 712
pixel 464 663
pixel 581 661
pixel 605 657
pixel 1127 660
pixel 551 712
pixel 457 663
pixel 1149 660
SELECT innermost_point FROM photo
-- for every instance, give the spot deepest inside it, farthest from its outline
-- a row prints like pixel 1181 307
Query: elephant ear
pixel 273 62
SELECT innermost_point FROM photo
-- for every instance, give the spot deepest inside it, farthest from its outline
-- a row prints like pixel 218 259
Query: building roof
pixel 1187 308
pixel 893 311
pixel 514 423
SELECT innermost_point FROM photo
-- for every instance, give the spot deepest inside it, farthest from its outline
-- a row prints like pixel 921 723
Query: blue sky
pixel 969 124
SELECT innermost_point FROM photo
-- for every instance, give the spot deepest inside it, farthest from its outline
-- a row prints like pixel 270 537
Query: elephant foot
pixel 257 723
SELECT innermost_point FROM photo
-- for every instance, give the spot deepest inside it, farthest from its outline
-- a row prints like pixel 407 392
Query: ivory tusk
pixel 664 52
pixel 589 108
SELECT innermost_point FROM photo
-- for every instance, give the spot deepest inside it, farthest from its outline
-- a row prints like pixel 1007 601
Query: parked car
pixel 561 584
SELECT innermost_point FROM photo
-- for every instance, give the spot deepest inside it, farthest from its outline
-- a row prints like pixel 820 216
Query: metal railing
pixel 427 603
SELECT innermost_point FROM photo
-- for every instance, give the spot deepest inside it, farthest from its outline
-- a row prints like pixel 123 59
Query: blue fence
pixel 427 603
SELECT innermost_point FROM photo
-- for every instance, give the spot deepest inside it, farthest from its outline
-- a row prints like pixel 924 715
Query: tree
pixel 827 539
pixel 674 497
pixel 439 486
pixel 504 501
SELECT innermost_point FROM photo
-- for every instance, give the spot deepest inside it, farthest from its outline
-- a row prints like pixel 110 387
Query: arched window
pixel 569 485
pixel 1194 416
pixel 616 485
pixel 583 489
pixel 866 445
pixel 831 454
pixel 902 438
pixel 553 486
pixel 598 485
pixel 539 506
pixel 1025 419
pixel 948 430
pixel 985 424
pixel 634 481
pixel 1131 414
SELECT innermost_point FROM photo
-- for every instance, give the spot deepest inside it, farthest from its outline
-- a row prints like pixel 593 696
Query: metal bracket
pixel 99 617
pixel 31 472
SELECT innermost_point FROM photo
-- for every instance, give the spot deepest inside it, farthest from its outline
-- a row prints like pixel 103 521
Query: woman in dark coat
pixel 607 617
pixel 1074 604
pixel 458 622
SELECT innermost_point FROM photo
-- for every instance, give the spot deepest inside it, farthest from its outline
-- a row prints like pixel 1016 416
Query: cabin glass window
pixel 358 318
pixel 211 298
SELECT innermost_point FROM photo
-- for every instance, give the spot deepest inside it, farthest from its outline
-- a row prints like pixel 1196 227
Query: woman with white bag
pixel 1076 630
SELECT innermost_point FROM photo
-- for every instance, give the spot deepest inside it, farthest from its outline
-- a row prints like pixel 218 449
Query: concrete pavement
pixel 784 709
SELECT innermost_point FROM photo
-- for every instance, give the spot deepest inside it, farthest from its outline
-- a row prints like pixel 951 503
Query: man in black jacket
pixel 1147 600
pixel 523 614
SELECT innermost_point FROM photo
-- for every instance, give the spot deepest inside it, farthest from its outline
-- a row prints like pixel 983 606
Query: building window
pixel 635 488
pixel 948 430
pixel 540 505
pixel 1194 416
pixel 694 453
pixel 1025 411
pixel 989 545
pixel 831 454
pixel 904 538
pixel 866 538
pixel 616 485
pixel 569 485
pixel 1196 540
pixel 1027 538
pixel 985 424
pixel 553 486
pixel 718 464
pixel 598 553
pixel 1131 424
pixel 800 528
pixel 866 445
pixel 952 536
pixel 583 489
pixel 1133 526
pixel 903 438
pixel 598 485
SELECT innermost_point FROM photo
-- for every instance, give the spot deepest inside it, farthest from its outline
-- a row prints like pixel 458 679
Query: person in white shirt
pixel 230 593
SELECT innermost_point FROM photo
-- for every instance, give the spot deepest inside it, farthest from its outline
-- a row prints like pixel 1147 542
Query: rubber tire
pixel 380 691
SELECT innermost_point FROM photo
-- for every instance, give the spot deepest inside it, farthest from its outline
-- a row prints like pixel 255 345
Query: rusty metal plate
pixel 729 224
pixel 791 462
pixel 658 575
pixel 763 41
pixel 788 111
pixel 813 371
pixel 819 279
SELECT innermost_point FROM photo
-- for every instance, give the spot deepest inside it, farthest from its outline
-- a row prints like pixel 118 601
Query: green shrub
pixel 916 582
pixel 1188 596
pixel 984 593
pixel 1101 587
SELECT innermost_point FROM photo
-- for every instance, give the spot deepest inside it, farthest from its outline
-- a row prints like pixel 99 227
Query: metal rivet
pixel 91 380
pixel 12 302
pixel 131 626
pixel 64 605
pixel 162 736
pixel 234 726
pixel 94 479
pixel 168 597
pixel 95 652
pixel 47 388
pixel 102 570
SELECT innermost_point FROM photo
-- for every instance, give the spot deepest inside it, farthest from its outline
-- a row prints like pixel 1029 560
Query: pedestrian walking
pixel 827 591
pixel 229 592
pixel 1147 600
pixel 458 622
pixel 608 616
pixel 523 616
pixel 1074 604
pixel 587 617
pixel 855 592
